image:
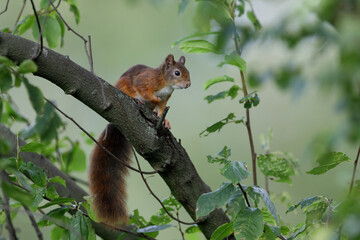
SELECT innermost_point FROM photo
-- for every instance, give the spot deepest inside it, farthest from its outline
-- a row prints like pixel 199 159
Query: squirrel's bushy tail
pixel 107 177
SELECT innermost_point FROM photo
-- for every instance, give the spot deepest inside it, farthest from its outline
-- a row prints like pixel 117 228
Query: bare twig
pixel 33 222
pixel 162 118
pixel 354 171
pixel 128 231
pixel 39 50
pixel 20 13
pixel 6 7
pixel 248 126
pixel 245 195
pixel 72 30
pixel 181 231
pixel 154 195
pixel 90 56
pixel 95 141
pixel 9 225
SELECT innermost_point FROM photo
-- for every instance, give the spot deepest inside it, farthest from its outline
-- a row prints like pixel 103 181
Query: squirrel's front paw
pixel 167 124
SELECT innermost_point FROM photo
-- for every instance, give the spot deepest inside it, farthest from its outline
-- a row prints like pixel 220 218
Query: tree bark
pixel 134 120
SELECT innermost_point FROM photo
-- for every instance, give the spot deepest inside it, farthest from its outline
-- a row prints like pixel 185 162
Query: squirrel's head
pixel 175 73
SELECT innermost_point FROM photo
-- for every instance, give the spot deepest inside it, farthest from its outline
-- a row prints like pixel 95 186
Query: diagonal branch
pixel 134 120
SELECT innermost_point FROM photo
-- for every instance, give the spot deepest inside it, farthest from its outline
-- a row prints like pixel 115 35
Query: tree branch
pixel 133 119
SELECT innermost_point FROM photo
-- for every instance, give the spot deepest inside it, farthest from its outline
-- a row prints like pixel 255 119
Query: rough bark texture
pixel 136 122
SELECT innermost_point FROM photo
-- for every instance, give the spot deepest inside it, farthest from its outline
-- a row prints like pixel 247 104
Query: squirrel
pixel 153 87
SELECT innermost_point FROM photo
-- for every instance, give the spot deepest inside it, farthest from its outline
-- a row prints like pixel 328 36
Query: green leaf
pixel 213 81
pixel 248 224
pixel 36 174
pixel 220 95
pixel 12 113
pixel 24 25
pixel 51 193
pixel 235 171
pixel 57 201
pixel 279 165
pixel 27 66
pixel 55 216
pixel 5 147
pixel 16 193
pixel 329 161
pixel 267 217
pixel 235 203
pixel 198 46
pixel 252 17
pixel 46 125
pixel 269 204
pixel 218 126
pixel 209 201
pixel 75 10
pixel 51 30
pixel 221 157
pixel 58 233
pixel 192 229
pixel 79 228
pixel 182 6
pixel 35 147
pixel 5 79
pixel 195 35
pixel 75 159
pixel 223 231
pixel 233 91
pixel 62 27
pixel 6 62
pixel 154 228
pixel 237 61
pixel 58 180
pixel 304 203
pixel 44 4
pixel 35 95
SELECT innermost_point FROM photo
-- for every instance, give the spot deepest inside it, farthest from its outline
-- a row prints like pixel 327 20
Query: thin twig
pixel 248 126
pixel 33 222
pixel 181 231
pixel 354 171
pixel 20 13
pixel 154 195
pixel 6 7
pixel 72 30
pixel 128 231
pixel 329 211
pixel 9 225
pixel 88 52
pixel 94 140
pixel 90 56
pixel 245 195
pixel 162 118
pixel 38 50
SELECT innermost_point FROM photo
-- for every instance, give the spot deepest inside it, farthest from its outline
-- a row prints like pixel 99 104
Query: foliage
pixel 224 28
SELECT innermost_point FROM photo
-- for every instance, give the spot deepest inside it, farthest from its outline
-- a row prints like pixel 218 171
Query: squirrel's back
pixel 107 185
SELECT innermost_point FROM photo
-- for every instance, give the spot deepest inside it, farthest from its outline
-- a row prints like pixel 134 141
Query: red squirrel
pixel 153 87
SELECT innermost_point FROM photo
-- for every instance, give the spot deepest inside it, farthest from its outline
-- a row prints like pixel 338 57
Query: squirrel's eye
pixel 177 73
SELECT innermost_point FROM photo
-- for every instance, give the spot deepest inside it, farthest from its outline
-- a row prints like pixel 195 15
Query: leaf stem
pixel 354 171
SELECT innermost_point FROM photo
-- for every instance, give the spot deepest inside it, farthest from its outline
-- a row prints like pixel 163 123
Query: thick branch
pixel 135 121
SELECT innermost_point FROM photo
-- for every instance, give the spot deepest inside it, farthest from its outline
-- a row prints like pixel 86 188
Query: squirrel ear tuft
pixel 169 61
pixel 182 60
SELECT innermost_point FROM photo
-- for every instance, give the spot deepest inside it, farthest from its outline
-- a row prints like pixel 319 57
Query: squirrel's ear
pixel 169 61
pixel 182 60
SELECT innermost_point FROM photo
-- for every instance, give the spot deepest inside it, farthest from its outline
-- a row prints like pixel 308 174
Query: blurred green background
pixel 125 33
